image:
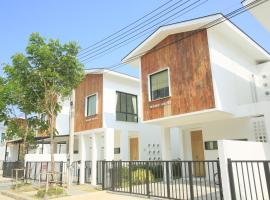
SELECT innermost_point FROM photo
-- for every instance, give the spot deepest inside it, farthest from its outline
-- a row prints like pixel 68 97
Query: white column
pixel 166 144
pixel 124 145
pixel 82 152
pixel 94 160
pixel 166 150
pixel 109 144
pixel 181 143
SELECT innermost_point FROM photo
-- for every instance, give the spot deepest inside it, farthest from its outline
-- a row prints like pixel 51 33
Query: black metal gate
pixel 88 171
pixel 9 167
pixel 164 179
pixel 249 179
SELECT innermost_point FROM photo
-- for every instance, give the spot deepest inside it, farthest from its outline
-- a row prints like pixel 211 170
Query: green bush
pixel 52 191
pixel 139 176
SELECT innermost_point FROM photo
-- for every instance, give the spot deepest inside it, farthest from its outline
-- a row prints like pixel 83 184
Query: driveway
pixel 103 195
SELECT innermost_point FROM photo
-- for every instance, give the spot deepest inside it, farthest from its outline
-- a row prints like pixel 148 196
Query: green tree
pixel 48 72
pixel 14 103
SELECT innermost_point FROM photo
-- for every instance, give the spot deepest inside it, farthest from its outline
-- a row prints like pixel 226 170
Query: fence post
pixel 113 178
pixel 130 176
pixel 26 171
pixel 147 180
pixel 267 176
pixel 231 179
pixel 219 180
pixel 190 180
pixel 168 179
pixel 35 174
pixel 103 174
pixel 79 173
pixel 61 173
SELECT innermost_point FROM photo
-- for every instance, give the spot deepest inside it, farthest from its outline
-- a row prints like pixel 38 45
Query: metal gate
pixel 164 179
pixel 249 179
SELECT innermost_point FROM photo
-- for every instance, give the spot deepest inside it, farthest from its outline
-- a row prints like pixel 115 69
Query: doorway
pixel 134 148
pixel 197 153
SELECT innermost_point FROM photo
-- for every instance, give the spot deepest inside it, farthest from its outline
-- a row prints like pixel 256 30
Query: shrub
pixel 52 191
pixel 139 176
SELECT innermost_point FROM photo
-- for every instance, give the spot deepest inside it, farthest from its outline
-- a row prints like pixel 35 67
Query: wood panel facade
pixel 190 74
pixel 92 84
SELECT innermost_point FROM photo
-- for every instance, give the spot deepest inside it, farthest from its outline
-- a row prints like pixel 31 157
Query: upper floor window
pixel 126 107
pixel 159 85
pixel 91 105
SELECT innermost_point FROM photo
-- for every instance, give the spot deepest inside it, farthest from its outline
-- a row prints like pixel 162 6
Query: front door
pixel 197 153
pixel 134 148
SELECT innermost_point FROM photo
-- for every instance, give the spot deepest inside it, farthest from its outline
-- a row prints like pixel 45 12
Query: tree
pixel 48 72
pixel 13 103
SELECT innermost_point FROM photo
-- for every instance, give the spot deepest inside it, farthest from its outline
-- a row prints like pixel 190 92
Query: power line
pixel 209 25
pixel 146 33
pixel 127 26
pixel 127 33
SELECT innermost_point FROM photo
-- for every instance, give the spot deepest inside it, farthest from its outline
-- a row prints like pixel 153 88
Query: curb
pixel 15 196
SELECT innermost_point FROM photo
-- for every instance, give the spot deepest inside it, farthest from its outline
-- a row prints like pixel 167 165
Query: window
pixel 126 107
pixel 91 105
pixel 159 85
pixel 211 145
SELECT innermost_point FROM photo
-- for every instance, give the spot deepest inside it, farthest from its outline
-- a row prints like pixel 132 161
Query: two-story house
pixel 207 84
pixel 107 121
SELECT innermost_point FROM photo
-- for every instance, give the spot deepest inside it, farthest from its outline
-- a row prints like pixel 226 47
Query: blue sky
pixel 88 21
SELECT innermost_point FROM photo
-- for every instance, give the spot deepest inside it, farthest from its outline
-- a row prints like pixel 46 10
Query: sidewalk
pixel 102 195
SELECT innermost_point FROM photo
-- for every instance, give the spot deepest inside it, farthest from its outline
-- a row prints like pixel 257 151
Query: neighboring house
pixel 2 144
pixel 204 85
pixel 13 147
pixel 260 12
pixel 61 140
pixel 107 120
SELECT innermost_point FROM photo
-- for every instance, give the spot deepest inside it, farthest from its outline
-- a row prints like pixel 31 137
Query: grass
pixel 23 187
pixel 53 192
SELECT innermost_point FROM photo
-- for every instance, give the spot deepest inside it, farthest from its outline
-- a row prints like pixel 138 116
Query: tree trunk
pixel 24 147
pixel 52 128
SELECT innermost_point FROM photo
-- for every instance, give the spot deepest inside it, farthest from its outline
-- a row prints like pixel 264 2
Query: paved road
pixel 5 197
pixel 101 196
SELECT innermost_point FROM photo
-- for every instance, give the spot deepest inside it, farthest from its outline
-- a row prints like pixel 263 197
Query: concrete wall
pixel 45 157
pixel 63 118
pixel 148 135
pixel 236 150
pixel 232 129
pixel 232 71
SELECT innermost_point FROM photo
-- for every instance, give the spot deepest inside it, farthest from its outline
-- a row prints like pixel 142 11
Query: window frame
pixel 86 105
pixel 150 86
pixel 126 113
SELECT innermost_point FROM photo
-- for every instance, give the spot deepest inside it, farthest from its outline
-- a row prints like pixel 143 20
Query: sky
pixel 89 21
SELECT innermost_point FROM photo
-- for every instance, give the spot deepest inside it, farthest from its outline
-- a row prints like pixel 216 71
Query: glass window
pixel 211 145
pixel 159 85
pixel 126 107
pixel 91 105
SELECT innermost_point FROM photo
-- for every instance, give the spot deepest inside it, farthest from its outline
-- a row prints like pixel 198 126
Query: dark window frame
pixel 126 112
pixel 87 104
pixel 150 83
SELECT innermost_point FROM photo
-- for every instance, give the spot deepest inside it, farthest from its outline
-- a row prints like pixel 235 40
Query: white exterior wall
pixel 232 71
pixel 236 150
pixel 63 118
pixel 231 129
pixel 263 81
pixel 2 145
pixel 148 135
